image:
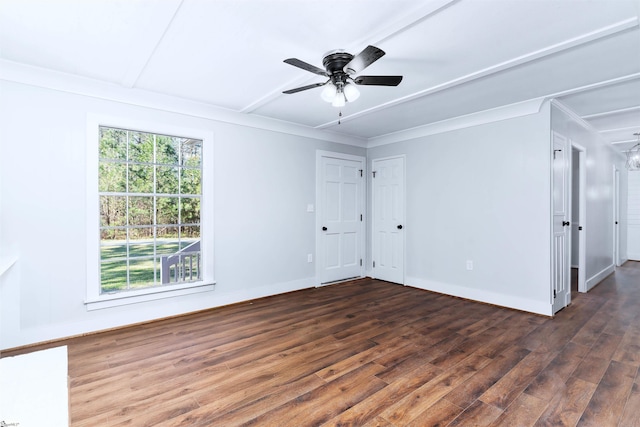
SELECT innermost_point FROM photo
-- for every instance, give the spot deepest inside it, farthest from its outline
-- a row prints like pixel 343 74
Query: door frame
pixel 582 213
pixel 404 212
pixel 319 258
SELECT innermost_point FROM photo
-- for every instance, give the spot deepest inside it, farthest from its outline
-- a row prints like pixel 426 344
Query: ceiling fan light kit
pixel 633 155
pixel 340 68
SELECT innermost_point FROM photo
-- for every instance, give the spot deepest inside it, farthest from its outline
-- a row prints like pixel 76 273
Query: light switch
pixel 309 207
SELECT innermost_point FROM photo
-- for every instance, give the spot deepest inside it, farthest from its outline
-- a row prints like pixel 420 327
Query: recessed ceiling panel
pixel 100 39
pixel 611 97
pixel 629 119
pixel 622 135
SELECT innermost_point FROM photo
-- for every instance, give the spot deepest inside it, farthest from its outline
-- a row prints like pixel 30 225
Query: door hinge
pixel 374 173
pixel 360 262
pixel 360 172
pixel 374 264
pixel 554 294
pixel 360 217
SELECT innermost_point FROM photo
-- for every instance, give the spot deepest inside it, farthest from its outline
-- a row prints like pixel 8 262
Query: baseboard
pixel 599 277
pixel 480 295
pixel 633 256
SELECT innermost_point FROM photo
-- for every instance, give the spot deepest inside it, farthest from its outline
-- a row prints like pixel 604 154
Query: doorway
pixel 579 217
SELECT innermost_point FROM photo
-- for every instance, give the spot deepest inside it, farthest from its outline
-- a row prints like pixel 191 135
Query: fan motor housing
pixel 335 61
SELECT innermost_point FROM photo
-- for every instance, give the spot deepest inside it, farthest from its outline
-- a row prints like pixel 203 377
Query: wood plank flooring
pixel 369 353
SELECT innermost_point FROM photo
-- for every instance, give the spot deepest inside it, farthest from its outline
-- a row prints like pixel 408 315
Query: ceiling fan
pixel 341 68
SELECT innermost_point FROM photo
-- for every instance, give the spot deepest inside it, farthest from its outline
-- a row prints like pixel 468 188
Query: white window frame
pixel 97 300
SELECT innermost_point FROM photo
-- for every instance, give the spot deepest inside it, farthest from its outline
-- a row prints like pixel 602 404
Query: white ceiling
pixel 457 56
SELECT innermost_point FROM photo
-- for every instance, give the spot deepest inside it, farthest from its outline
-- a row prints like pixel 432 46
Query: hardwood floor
pixel 369 353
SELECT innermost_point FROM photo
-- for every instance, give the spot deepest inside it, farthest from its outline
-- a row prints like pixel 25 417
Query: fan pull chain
pixel 339 116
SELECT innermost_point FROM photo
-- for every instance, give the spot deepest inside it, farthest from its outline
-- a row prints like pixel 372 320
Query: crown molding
pixel 63 82
pixel 582 122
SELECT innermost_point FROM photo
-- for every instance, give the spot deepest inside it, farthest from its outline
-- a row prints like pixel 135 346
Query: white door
pixel 561 242
pixel 340 216
pixel 388 219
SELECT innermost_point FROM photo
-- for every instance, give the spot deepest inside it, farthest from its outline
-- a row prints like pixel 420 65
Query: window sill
pixel 144 295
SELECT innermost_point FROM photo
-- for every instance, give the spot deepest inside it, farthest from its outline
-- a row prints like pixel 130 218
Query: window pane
pixel 189 210
pixel 167 233
pixel 191 150
pixel 141 147
pixel 111 249
pixel 113 177
pixel 113 143
pixel 190 234
pixel 167 150
pixel 167 180
pixel 140 179
pixel 141 272
pixel 140 247
pixel 140 233
pixel 113 234
pixel 167 210
pixel 113 276
pixel 113 211
pixel 190 181
pixel 140 210
pixel 168 246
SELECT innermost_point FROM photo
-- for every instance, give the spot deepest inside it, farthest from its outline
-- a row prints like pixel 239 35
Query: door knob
pixel 399 227
pixel 324 228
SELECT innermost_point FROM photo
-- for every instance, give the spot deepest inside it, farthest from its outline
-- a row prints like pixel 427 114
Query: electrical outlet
pixel 469 264
pixel 309 257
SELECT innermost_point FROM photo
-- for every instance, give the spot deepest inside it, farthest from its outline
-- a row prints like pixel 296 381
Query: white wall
pixel 600 160
pixel 481 193
pixel 264 181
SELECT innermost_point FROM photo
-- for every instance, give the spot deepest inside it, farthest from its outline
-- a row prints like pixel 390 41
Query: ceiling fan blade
pixel 378 80
pixel 300 89
pixel 362 60
pixel 308 67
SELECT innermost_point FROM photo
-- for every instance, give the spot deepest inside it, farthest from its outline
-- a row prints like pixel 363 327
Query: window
pixel 150 223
